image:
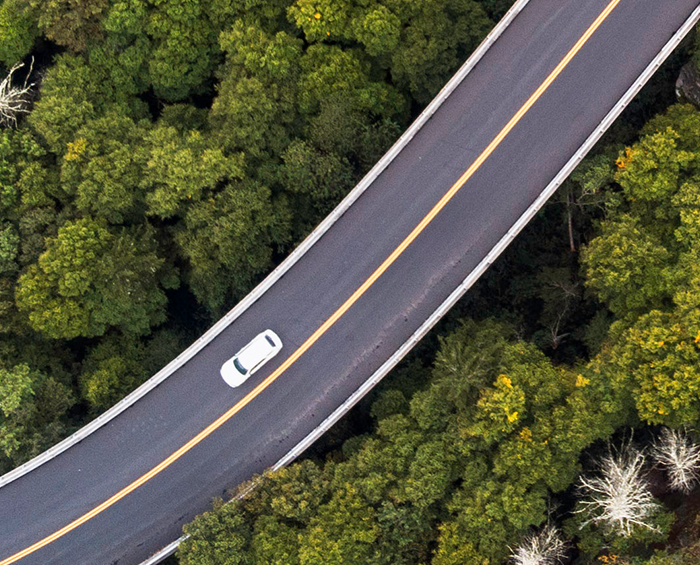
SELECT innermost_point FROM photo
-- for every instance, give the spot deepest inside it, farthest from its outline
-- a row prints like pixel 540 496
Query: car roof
pixel 254 352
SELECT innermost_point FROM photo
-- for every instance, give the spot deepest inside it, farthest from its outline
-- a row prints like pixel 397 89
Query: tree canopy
pixel 175 151
pixel 644 266
pixel 475 457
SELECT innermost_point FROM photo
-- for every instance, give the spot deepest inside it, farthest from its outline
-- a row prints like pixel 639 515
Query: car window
pixel 240 368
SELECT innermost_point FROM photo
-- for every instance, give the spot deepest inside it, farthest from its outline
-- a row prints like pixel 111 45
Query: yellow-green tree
pixel 644 266
pixel 90 279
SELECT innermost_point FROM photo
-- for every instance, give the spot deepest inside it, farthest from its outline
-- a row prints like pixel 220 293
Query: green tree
pixel 639 258
pixel 18 31
pixel 644 266
pixel 228 241
pixel 319 179
pixel 9 249
pixel 9 170
pixel 111 370
pixel 70 23
pixel 255 527
pixel 184 40
pixel 122 56
pixel 518 424
pixel 656 361
pixel 24 180
pixel 32 411
pixel 72 93
pixel 122 60
pixel 180 167
pixel 232 533
pixel 437 37
pixel 329 71
pixel 420 43
pixel 342 533
pixel 36 226
pixel 103 166
pixel 26 175
pixel 255 107
pixel 90 279
pixel 268 14
pixel 627 267
pixel 275 542
pixel 119 363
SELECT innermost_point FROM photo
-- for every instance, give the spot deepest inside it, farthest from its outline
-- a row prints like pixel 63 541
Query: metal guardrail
pixel 388 157
pixel 280 270
pixel 549 190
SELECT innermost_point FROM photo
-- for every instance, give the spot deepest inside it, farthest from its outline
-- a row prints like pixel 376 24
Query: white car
pixel 243 364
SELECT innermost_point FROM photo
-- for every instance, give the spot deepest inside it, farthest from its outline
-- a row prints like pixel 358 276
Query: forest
pixel 159 157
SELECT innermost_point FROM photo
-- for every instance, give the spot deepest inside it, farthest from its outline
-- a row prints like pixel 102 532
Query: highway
pixel 359 293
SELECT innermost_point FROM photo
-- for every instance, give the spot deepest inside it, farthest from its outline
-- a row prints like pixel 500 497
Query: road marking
pixel 339 312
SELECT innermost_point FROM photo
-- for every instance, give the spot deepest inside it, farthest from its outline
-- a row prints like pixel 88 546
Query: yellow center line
pixel 338 313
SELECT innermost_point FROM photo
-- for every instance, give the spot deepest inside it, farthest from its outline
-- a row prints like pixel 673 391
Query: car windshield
pixel 240 368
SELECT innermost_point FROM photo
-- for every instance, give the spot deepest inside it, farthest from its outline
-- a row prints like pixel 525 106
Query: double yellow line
pixel 338 313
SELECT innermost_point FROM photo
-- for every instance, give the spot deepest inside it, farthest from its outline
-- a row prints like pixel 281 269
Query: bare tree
pixel 14 100
pixel 619 498
pixel 586 198
pixel 544 548
pixel 569 293
pixel 582 192
pixel 558 293
pixel 674 451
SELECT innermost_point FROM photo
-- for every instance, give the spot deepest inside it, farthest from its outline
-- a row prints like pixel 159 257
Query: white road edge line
pixel 480 269
pixel 504 242
pixel 282 268
pixel 368 179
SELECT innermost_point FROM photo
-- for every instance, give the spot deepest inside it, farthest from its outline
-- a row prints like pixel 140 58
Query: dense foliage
pixel 645 266
pixel 456 473
pixel 465 458
pixel 176 150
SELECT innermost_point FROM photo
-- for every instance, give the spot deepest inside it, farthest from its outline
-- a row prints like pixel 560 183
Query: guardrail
pixel 368 179
pixel 281 269
pixel 510 235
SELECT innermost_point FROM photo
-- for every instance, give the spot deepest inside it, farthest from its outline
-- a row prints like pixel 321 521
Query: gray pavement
pixel 63 489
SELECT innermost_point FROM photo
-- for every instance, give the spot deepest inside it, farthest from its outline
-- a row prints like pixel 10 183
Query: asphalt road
pixel 56 493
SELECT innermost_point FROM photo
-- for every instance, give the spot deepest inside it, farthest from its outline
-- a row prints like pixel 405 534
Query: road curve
pixel 376 322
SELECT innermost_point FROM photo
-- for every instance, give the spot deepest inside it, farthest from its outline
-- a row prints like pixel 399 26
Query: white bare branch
pixel 680 457
pixel 544 548
pixel 14 100
pixel 619 498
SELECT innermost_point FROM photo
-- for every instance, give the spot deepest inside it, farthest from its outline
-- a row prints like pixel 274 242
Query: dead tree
pixel 14 100
pixel 543 548
pixel 618 498
pixel 680 457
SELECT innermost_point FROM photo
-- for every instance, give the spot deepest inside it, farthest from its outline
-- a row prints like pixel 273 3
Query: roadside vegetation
pixel 157 159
